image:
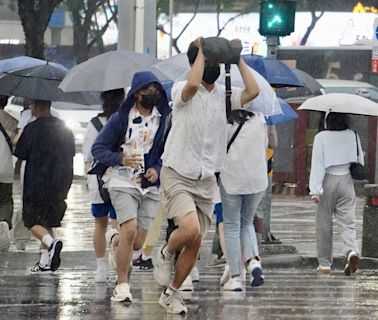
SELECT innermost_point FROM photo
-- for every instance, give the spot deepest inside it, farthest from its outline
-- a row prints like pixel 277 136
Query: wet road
pixel 288 293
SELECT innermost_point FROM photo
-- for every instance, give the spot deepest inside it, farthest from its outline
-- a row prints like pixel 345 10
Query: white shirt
pixel 6 162
pixel 141 136
pixel 245 167
pixel 332 148
pixel 196 144
pixel 89 139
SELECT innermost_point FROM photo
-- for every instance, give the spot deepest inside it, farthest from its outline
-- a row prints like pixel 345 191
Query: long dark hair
pixel 111 101
pixel 335 121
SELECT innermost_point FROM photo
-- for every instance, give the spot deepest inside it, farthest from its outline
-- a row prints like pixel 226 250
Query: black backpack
pixel 98 168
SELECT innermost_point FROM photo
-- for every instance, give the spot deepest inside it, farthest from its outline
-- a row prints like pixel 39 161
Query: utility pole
pixel 137 26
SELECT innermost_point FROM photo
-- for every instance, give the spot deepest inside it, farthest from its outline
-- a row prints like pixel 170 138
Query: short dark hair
pixel 3 101
pixel 42 103
pixel 337 121
pixel 192 53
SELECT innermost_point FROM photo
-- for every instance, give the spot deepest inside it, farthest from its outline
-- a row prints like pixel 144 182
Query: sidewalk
pixel 293 289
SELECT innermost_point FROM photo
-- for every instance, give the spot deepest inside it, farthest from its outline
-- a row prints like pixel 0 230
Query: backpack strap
pixel 237 131
pixel 7 138
pixel 97 123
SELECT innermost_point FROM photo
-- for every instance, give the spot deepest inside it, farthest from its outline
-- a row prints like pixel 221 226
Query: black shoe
pixel 54 254
pixel 146 264
pixel 40 269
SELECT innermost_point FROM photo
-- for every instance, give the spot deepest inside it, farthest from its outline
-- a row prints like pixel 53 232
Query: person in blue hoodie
pixel 130 145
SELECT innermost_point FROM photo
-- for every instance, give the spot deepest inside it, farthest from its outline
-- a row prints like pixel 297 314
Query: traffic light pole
pixel 272 42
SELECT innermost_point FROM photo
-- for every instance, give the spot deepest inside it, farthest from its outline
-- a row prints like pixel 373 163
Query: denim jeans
pixel 239 233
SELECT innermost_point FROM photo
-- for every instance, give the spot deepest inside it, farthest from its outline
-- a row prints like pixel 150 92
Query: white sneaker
pixel 173 302
pixel 194 274
pixel 109 236
pixel 54 254
pixel 100 276
pixel 187 285
pixel 352 263
pixel 255 271
pixel 121 293
pixel 163 268
pixel 226 275
pixel 4 236
pixel 233 284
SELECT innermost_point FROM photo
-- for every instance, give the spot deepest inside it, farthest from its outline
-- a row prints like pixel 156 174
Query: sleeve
pixel 89 139
pixel 317 172
pixel 24 144
pixel 236 98
pixel 360 158
pixel 176 94
pixel 272 136
pixel 105 147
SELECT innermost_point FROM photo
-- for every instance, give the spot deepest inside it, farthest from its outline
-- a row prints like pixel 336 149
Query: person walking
pixel 243 181
pixel 48 147
pixel 8 126
pixel 332 189
pixel 101 211
pixel 194 151
pixel 132 177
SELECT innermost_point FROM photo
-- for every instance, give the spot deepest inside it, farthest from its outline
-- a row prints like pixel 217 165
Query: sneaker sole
pixel 352 265
pixel 55 260
pixel 257 277
pixel 127 299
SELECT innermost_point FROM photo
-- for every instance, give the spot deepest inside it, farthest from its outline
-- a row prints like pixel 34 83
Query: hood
pixel 140 80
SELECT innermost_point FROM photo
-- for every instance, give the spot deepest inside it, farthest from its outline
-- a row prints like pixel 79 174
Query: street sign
pixel 374 59
pixel 375 29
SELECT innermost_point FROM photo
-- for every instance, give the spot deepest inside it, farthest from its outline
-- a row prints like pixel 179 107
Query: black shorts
pixel 47 214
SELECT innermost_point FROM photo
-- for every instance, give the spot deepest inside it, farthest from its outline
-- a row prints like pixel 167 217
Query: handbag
pixel 357 170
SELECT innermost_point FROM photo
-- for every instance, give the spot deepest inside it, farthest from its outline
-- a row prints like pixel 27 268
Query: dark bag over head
pixel 357 170
pixel 221 50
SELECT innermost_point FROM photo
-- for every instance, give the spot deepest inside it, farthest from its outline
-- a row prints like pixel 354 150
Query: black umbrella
pixel 41 83
pixel 310 87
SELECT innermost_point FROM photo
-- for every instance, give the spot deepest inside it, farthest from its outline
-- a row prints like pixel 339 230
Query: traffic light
pixel 277 17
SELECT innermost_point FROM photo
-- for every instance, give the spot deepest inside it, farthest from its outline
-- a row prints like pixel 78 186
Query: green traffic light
pixel 276 20
pixel 270 6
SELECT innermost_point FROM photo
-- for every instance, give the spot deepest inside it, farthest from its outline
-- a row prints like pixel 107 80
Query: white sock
pixel 47 240
pixel 45 258
pixel 101 265
pixel 167 254
pixel 136 254
pixel 144 257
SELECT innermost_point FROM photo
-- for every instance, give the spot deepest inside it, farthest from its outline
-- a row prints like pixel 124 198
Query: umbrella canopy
pixel 277 73
pixel 288 114
pixel 108 71
pixel 174 67
pixel 310 86
pixel 41 82
pixel 342 103
pixel 23 62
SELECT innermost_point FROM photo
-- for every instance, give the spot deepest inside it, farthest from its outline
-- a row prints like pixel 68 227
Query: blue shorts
pixel 102 210
pixel 218 212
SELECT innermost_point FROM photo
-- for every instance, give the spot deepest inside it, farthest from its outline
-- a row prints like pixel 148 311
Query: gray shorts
pixel 129 204
pixel 182 196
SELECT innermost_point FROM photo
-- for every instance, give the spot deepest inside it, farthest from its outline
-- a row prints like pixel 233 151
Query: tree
pixel 35 16
pixel 87 31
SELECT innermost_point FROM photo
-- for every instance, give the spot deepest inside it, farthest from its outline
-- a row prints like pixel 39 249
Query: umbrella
pixel 41 82
pixel 342 103
pixel 23 62
pixel 277 73
pixel 107 71
pixel 288 114
pixel 310 86
pixel 174 67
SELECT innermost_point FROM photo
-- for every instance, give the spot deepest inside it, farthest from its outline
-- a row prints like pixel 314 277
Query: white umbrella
pixel 341 103
pixel 111 70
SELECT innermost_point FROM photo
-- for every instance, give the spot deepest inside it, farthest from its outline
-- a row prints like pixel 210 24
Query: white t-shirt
pixel 332 148
pixel 196 144
pixel 140 132
pixel 245 167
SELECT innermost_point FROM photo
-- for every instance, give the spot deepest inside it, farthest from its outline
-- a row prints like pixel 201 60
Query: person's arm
pixel 23 145
pixel 317 172
pixel 251 90
pixel 195 74
pixel 272 137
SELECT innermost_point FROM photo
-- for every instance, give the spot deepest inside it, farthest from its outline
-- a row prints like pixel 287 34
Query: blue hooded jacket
pixel 107 146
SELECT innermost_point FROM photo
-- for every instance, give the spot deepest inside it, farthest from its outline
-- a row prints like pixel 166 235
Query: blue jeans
pixel 239 233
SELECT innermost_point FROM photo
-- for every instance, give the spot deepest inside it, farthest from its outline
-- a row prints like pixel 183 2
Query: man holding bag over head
pixel 194 151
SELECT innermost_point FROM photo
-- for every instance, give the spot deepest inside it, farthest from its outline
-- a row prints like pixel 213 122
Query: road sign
pixel 375 29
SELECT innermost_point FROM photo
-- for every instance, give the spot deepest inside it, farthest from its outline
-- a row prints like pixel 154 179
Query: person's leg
pixel 6 213
pixel 266 204
pixel 324 213
pixel 345 217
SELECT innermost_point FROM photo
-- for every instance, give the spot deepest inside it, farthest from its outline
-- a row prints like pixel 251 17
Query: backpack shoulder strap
pixel 236 132
pixel 97 123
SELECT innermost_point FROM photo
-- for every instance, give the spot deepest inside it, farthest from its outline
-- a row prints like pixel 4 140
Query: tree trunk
pixel 80 44
pixel 35 17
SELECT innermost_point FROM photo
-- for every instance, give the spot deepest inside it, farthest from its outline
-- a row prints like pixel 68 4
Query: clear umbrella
pixel 111 70
pixel 22 62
